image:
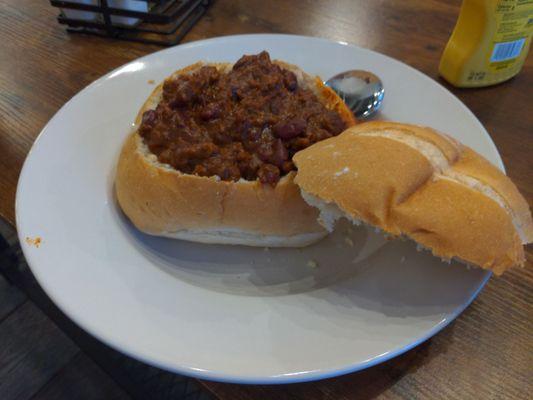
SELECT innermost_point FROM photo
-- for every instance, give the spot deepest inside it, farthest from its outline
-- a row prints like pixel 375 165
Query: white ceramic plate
pixel 221 312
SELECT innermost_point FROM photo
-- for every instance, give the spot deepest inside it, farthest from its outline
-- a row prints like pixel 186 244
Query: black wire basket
pixel 162 22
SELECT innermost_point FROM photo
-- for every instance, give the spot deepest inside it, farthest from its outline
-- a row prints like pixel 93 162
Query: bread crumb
pixel 348 241
pixel 34 242
pixel 343 171
pixel 151 81
pixel 312 264
pixel 402 260
pixel 336 153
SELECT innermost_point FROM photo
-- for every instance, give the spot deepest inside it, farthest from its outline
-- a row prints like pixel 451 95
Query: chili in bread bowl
pixel 210 159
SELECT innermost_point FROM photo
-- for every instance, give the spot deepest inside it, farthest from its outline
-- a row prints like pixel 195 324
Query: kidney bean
pixel 280 153
pixel 289 129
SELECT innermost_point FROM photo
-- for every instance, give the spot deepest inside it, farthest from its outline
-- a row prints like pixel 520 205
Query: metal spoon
pixel 362 91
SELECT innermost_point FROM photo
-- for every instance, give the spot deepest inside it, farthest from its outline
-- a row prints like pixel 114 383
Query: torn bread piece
pixel 412 181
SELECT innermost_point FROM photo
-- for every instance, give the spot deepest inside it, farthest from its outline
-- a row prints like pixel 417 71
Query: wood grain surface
pixel 487 352
pixel 23 365
pixel 81 380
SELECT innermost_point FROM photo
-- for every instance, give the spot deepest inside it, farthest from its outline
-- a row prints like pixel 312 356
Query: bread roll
pixel 162 201
pixel 415 182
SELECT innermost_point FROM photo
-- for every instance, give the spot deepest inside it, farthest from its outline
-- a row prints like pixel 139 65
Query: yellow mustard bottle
pixel 489 43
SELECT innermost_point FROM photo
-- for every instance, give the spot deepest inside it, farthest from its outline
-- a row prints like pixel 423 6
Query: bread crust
pixel 162 201
pixel 413 181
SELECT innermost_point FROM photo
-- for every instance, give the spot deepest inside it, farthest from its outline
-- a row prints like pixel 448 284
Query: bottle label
pixel 507 50
pixel 514 21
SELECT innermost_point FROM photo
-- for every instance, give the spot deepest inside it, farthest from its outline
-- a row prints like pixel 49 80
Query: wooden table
pixel 487 352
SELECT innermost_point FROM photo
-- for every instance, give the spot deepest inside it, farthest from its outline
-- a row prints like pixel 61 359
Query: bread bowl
pixel 163 200
pixel 415 182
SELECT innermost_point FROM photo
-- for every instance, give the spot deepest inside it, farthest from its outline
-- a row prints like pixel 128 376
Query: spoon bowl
pixel 362 91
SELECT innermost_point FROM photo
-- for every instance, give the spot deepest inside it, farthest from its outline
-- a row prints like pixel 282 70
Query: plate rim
pixel 304 376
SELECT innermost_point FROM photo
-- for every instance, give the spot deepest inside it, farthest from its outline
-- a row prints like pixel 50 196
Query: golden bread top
pixel 413 181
